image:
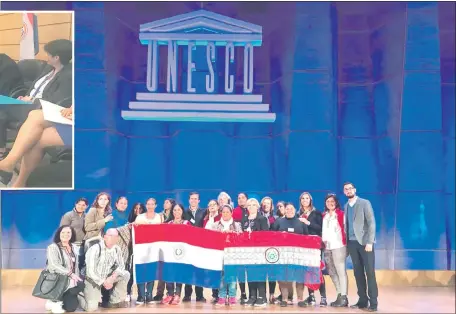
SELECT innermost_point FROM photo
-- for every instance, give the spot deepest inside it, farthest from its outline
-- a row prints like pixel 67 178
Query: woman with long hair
pixel 150 217
pixel 174 289
pixel 61 259
pixel 335 253
pixel 98 216
pixel 312 217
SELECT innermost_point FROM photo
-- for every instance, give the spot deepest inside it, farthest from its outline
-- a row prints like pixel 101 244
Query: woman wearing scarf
pixel 310 216
pixel 255 222
pixel 61 259
pixel 227 291
pixel 173 288
pixel 119 214
pixel 335 240
pixel 267 209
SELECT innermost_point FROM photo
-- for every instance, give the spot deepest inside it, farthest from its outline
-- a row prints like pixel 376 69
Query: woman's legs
pixel 49 137
pixel 28 136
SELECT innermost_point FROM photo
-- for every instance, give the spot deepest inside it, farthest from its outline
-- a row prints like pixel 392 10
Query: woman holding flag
pixel 255 222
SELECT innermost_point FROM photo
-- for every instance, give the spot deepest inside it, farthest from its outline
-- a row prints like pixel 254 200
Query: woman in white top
pixel 150 217
pixel 335 253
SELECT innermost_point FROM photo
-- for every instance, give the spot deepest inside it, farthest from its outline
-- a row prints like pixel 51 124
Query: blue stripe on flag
pixel 273 272
pixel 180 273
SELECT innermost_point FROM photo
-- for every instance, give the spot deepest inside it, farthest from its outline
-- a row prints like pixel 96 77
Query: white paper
pixel 52 113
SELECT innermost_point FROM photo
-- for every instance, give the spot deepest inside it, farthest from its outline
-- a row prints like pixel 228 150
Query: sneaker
pixel 232 301
pixel 167 300
pixel 140 299
pixel 337 301
pixel 49 304
pixel 260 302
pixel 176 300
pixel 283 303
pixel 243 299
pixel 360 305
pixel 214 300
pixel 323 302
pixel 149 299
pixel 221 301
pixel 201 299
pixel 310 300
pixel 251 302
pixel 157 298
pixel 302 304
pixel 57 308
pixel 128 298
pixel 187 299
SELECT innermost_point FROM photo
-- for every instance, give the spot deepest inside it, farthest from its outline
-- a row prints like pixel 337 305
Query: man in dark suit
pixel 195 215
pixel 10 75
pixel 360 224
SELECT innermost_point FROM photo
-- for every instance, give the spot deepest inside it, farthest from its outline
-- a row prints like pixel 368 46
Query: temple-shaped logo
pixel 200 51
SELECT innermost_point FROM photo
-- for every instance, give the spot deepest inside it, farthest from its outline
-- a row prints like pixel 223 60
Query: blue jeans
pixel 142 287
pixel 231 287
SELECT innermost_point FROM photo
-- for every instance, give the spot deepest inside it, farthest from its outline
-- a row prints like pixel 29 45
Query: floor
pixel 391 300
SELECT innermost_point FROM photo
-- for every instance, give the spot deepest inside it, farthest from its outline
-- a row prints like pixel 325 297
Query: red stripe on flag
pixel 180 233
pixel 273 239
pixel 30 18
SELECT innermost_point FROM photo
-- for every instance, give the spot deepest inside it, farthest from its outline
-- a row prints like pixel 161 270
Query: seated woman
pixel 54 85
pixel 61 259
pixel 34 136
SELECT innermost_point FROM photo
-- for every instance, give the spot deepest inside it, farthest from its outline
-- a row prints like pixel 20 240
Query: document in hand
pixel 52 113
pixel 5 100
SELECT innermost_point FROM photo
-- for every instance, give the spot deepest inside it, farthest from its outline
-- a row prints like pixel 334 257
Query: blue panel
pixel 358 164
pixel 355 104
pixel 420 221
pixel 421 167
pixel 448 112
pixel 387 164
pixel 153 156
pixel 92 169
pixel 449 158
pixel 420 260
pixel 450 217
pixel 257 154
pixel 306 169
pixel 422 108
pixel 312 105
pixel 384 209
pixel 200 164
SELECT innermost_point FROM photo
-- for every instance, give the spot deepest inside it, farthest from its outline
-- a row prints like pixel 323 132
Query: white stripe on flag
pixel 27 45
pixel 272 255
pixel 178 252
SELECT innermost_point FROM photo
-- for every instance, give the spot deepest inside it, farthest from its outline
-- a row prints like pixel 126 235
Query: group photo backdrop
pixel 363 92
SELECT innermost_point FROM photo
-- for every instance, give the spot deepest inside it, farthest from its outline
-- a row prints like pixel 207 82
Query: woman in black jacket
pixel 313 219
pixel 255 222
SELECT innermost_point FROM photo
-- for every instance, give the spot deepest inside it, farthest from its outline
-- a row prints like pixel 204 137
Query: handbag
pixel 51 286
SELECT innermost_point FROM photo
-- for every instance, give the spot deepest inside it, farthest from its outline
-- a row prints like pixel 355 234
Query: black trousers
pixel 257 289
pixel 189 291
pixel 215 293
pixel 272 286
pixel 161 289
pixel 70 297
pixel 364 267
pixel 173 289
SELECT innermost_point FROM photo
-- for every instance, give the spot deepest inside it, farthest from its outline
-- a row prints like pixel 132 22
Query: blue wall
pixel 362 92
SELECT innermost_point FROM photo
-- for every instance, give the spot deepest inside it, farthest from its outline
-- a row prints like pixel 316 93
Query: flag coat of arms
pixel 29 45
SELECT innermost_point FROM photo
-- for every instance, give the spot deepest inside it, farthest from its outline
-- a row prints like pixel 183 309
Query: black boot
pixel 342 301
pixel 337 300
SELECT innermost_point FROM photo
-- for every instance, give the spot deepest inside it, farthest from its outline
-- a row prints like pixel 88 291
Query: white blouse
pixel 331 232
pixel 40 85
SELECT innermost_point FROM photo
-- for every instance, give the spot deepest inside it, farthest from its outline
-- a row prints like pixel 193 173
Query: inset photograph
pixel 36 100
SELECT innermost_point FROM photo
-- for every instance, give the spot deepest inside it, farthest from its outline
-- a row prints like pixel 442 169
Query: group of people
pixel 54 84
pixel 97 249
